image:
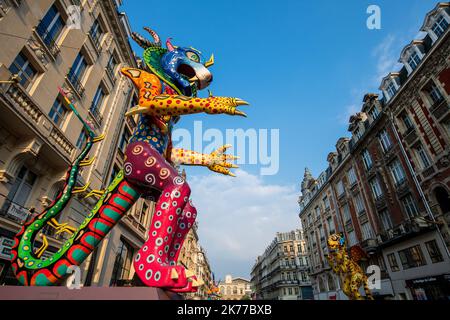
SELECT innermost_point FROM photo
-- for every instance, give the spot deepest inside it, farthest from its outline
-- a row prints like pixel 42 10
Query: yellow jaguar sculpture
pixel 346 266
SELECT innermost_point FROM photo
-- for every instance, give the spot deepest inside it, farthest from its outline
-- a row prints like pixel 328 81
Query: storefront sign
pixel 5 248
pixel 18 212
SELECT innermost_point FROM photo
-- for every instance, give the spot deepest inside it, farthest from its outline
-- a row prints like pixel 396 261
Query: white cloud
pixel 239 217
pixel 387 55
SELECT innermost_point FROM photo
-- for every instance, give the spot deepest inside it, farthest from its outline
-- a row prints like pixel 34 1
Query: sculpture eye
pixel 193 56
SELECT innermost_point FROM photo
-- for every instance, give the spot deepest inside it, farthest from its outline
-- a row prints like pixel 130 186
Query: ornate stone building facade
pixel 281 272
pixel 234 288
pixel 50 45
pixel 387 187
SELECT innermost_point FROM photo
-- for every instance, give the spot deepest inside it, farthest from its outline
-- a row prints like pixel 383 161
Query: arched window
pixel 228 290
pixel 321 285
pixel 222 289
pixel 331 283
pixel 235 291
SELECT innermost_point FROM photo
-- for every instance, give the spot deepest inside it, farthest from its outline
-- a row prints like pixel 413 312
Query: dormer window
pixel 374 113
pixel 413 60
pixel 437 21
pixel 357 133
pixel 390 85
pixel 391 89
pixel 440 26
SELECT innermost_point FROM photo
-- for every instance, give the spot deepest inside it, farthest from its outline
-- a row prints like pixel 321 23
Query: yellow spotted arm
pixel 152 102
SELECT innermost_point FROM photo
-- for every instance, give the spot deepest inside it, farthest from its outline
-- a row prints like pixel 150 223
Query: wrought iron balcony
pixel 411 136
pixel 48 40
pixel 440 108
pixel 75 82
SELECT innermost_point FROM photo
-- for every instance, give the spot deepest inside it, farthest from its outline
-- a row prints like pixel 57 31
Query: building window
pixel 346 213
pixel 326 203
pixel 124 140
pixel 321 233
pixel 112 62
pixel 96 33
pixel 434 252
pixel 141 214
pixel 235 290
pixel 374 113
pixel 385 141
pixel 407 122
pixel 340 188
pixel 412 257
pixel 357 133
pixel 423 157
pixel 367 159
pixel 81 139
pixel 386 221
pixel 58 112
pixel 391 89
pixel 24 69
pixel 376 188
pixel 413 60
pixel 440 26
pixel 366 231
pixel 410 206
pixel 122 263
pixel 359 204
pixel 397 172
pixel 352 238
pixel 50 26
pixel 317 210
pixel 330 224
pixel 22 186
pixel 309 219
pixel 393 262
pixel 97 101
pixel 77 70
pixel 351 176
pixel 434 93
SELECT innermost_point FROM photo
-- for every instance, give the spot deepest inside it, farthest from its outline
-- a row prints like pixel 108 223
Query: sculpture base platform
pixel 86 293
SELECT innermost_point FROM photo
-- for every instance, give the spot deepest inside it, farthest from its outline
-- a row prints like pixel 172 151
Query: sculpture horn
pixel 169 45
pixel 156 39
pixel 210 62
pixel 140 40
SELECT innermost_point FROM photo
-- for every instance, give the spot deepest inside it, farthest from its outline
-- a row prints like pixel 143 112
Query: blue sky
pixel 304 66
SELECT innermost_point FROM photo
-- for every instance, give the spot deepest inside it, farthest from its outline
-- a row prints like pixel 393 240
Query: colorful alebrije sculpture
pixel 346 266
pixel 167 90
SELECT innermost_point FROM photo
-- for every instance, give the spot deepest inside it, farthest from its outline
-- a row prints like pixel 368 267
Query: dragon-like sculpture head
pixel 183 69
pixel 336 241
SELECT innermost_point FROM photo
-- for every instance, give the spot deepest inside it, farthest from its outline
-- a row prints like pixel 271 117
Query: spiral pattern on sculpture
pixel 150 162
pixel 150 178
pixel 164 173
pixel 137 150
pixel 128 168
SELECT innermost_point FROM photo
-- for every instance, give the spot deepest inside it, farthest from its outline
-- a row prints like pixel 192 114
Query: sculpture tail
pixel 30 270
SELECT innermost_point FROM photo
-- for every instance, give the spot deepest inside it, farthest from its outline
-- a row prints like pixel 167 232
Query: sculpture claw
pixel 87 162
pixel 96 193
pixel 136 110
pixel 174 274
pixel 240 102
pixel 99 138
pixel 189 274
pixel 81 189
pixel 240 113
pixel 44 246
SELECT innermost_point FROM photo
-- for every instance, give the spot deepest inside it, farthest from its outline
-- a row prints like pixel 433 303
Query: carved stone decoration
pixel 38 51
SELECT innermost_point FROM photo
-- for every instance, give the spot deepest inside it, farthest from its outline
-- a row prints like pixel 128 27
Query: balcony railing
pixel 96 115
pixel 440 108
pixel 48 40
pixel 428 172
pixel 410 136
pixel 74 80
